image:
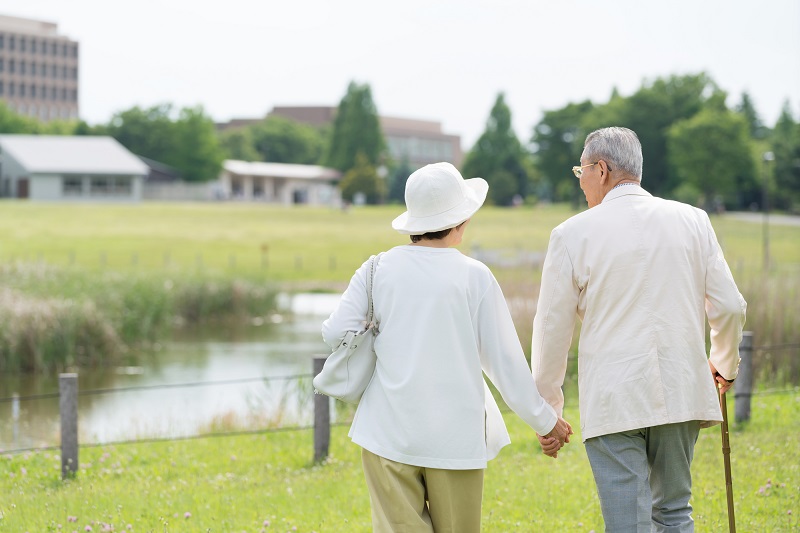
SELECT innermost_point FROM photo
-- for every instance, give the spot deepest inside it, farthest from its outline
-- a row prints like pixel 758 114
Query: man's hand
pixel 722 384
pixel 555 440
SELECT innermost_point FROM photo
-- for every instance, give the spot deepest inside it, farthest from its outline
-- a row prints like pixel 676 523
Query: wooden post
pixel 15 415
pixel 743 386
pixel 322 418
pixel 68 406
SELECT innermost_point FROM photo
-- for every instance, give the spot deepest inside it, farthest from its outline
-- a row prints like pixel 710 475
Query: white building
pixel 280 183
pixel 83 168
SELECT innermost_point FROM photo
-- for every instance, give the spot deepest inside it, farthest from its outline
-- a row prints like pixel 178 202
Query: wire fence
pixel 16 400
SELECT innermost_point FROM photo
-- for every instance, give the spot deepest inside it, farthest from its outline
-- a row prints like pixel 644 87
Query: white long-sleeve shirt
pixel 443 323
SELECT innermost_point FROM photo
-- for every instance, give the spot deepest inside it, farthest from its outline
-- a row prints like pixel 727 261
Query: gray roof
pixel 58 154
pixel 280 170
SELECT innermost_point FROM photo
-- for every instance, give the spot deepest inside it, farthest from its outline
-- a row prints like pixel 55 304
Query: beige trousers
pixel 415 499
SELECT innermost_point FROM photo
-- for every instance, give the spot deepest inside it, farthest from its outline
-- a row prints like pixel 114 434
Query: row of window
pixel 22 90
pixel 38 69
pixel 43 47
pixel 98 186
pixel 45 112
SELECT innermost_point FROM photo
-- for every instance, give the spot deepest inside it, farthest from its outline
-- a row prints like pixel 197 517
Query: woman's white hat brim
pixel 474 189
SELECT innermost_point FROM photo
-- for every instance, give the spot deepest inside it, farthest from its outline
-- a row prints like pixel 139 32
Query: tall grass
pixel 53 318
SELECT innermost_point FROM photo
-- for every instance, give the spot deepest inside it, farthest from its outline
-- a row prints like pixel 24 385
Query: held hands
pixel 722 384
pixel 555 440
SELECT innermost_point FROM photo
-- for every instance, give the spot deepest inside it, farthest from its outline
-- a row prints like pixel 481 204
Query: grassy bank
pixel 241 483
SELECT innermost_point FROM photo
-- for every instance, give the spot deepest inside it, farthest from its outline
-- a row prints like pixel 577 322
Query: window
pixel 53 71
pixel 64 72
pixel 2 88
pixel 63 94
pixel 12 89
pixel 53 94
pixel 64 50
pixel 33 91
pixel 22 90
pixel 74 95
pixel 2 41
pixel 72 187
pixel 75 73
pixel 111 186
pixel 75 50
pixel 22 67
pixel 2 65
pixel 22 44
pixel 12 66
pixel 33 46
pixel 53 49
pixel 12 43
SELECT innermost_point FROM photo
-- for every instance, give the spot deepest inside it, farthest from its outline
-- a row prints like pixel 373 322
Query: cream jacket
pixel 443 323
pixel 642 274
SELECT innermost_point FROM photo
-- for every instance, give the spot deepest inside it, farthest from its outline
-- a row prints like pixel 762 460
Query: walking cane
pixel 726 454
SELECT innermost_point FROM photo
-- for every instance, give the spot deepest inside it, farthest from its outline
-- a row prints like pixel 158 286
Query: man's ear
pixel 604 175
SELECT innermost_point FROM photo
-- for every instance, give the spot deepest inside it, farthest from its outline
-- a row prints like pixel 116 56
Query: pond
pixel 254 376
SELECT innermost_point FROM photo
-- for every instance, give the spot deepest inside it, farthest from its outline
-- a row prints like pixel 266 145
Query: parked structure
pixel 280 183
pixel 38 69
pixel 418 141
pixel 50 167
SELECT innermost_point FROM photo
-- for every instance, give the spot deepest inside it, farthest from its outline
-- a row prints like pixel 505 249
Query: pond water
pixel 256 376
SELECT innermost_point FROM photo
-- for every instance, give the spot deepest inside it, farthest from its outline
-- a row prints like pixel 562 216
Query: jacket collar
pixel 625 190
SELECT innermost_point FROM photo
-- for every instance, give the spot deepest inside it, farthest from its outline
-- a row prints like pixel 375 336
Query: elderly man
pixel 640 272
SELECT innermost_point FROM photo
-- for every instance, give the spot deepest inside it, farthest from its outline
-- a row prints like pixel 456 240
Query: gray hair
pixel 616 146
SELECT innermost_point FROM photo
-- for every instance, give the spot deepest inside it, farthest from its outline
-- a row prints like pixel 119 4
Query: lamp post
pixel 768 156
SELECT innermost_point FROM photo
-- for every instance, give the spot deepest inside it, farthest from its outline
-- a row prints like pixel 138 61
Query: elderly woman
pixel 427 423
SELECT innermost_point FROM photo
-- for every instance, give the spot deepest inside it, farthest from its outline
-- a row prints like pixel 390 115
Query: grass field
pixel 298 244
pixel 266 482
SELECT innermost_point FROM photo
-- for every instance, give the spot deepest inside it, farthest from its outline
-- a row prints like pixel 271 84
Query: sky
pixel 444 60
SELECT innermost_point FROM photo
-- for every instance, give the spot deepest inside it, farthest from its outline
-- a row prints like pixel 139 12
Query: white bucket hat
pixel 438 198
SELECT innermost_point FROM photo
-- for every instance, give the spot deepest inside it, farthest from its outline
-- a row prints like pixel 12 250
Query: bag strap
pixel 373 262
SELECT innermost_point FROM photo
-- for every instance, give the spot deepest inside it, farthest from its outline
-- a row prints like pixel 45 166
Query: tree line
pixel 696 148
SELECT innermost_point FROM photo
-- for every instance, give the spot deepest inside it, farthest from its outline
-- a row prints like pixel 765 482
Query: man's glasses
pixel 578 171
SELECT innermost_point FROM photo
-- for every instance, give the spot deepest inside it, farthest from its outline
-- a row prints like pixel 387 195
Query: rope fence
pixel 68 394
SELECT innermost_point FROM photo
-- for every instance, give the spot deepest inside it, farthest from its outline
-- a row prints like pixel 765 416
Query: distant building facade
pixel 38 69
pixel 69 168
pixel 418 141
pixel 280 183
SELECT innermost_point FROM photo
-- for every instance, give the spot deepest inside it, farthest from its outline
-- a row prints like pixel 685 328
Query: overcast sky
pixel 437 60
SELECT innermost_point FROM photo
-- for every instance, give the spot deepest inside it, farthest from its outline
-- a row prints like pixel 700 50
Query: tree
pixel 198 154
pixel 398 179
pixel 711 151
pixel 557 143
pixel 499 157
pixel 748 111
pixel 282 140
pixel 356 128
pixel 148 132
pixel 189 143
pixel 12 122
pixel 237 144
pixel 785 144
pixel 363 178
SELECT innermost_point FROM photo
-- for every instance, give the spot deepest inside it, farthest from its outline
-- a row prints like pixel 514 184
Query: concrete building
pixel 50 167
pixel 38 69
pixel 419 141
pixel 280 183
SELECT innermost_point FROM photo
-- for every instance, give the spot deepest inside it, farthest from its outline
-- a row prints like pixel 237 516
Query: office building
pixel 38 69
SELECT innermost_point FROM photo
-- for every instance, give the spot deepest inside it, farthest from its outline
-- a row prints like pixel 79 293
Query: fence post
pixel 15 415
pixel 322 418
pixel 743 386
pixel 68 407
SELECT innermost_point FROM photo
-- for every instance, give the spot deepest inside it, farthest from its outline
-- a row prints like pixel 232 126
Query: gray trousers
pixel 644 478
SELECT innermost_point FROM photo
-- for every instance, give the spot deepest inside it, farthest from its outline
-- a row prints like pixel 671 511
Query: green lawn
pixel 237 483
pixel 297 244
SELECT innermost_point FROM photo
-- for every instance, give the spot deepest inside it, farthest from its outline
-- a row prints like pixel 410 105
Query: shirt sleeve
pixel 725 308
pixel 554 323
pixel 503 362
pixel 351 313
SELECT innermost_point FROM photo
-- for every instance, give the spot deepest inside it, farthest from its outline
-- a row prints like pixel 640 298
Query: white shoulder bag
pixel 349 369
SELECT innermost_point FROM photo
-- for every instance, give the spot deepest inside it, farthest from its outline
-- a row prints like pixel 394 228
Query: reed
pixel 53 318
